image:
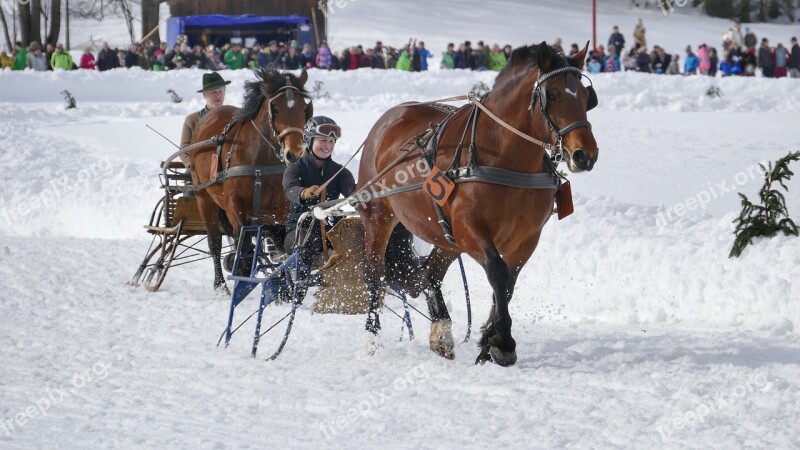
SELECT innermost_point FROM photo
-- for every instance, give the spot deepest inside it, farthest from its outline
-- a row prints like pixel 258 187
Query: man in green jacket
pixel 61 58
pixel 234 58
pixel 404 63
pixel 20 57
pixel 448 57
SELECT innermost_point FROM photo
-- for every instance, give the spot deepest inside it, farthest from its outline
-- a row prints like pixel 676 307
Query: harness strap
pixel 257 193
pixel 287 131
pixel 221 138
pixel 460 146
pixel 503 177
pixel 255 171
pixel 546 146
pixel 574 125
pixel 242 171
pixel 271 145
pixel 479 174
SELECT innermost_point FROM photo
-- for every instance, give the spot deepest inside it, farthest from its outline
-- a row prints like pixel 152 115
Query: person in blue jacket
pixel 691 63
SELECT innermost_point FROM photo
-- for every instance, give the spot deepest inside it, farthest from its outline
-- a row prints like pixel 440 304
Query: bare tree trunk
pixel 150 19
pixel 25 24
pixel 55 22
pixel 9 42
pixel 127 14
pixel 36 20
pixel 790 9
pixel 66 18
pixel 46 17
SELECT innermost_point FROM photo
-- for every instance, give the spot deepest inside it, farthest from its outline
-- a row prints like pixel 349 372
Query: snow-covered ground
pixel 634 329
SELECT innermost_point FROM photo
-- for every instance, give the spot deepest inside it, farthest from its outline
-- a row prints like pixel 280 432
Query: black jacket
pixel 643 61
pixel 304 173
pixel 794 59
pixel 107 59
pixel 618 41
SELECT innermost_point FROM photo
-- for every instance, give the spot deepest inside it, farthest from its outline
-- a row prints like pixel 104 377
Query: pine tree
pixel 771 216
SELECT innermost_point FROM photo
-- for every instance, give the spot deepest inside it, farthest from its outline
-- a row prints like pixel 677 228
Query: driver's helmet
pixel 320 126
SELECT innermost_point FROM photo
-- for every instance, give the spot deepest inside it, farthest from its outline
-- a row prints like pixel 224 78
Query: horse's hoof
pixel 373 323
pixel 483 357
pixel 441 338
pixel 227 262
pixel 222 290
pixel 374 344
pixel 501 358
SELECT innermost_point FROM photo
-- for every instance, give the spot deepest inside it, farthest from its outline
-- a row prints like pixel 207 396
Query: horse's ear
pixel 544 57
pixel 266 76
pixel 580 57
pixel 303 77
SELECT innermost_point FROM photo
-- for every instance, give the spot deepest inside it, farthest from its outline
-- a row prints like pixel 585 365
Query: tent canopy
pixel 220 29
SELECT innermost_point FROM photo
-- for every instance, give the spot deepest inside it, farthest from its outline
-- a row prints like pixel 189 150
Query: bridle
pixel 289 91
pixel 540 92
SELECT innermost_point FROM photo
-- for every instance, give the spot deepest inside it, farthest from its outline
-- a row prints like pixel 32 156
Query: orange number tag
pixel 564 201
pixel 438 186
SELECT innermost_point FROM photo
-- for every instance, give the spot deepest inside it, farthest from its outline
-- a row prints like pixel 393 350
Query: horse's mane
pixel 255 91
pixel 526 57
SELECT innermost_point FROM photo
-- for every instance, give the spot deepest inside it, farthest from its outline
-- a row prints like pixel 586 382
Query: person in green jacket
pixel 448 57
pixel 497 59
pixel 20 57
pixel 404 62
pixel 61 58
pixel 234 58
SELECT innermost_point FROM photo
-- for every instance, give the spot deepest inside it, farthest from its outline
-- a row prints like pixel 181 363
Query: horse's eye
pixel 551 97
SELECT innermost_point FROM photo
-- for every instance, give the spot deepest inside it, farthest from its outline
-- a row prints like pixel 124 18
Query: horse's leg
pixel 209 212
pixel 489 328
pixel 496 340
pixel 378 225
pixel 441 336
pixel 238 219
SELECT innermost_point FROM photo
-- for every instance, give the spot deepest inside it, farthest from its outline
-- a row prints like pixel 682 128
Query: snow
pixel 634 329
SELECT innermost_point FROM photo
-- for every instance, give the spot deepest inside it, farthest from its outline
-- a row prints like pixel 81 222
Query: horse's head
pixel 558 101
pixel 280 106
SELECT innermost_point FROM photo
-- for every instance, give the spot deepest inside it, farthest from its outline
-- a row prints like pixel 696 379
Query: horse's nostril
pixel 579 158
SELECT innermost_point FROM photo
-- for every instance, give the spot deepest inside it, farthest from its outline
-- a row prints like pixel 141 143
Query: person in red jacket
pixel 87 59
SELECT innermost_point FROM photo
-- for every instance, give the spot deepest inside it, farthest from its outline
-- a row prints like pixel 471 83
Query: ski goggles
pixel 328 129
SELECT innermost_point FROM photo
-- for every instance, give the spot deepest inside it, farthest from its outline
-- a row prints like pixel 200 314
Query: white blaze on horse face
pixel 571 92
pixel 290 103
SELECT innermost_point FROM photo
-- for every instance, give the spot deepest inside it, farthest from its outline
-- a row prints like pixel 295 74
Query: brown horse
pixel 495 220
pixel 260 139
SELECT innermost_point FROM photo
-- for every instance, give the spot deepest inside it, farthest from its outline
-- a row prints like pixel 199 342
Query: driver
pixel 302 181
pixel 214 93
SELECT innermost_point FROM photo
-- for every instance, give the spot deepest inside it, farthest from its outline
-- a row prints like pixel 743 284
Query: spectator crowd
pixel 742 55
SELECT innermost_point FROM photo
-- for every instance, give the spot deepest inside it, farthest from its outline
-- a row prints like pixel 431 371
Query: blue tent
pixel 220 29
